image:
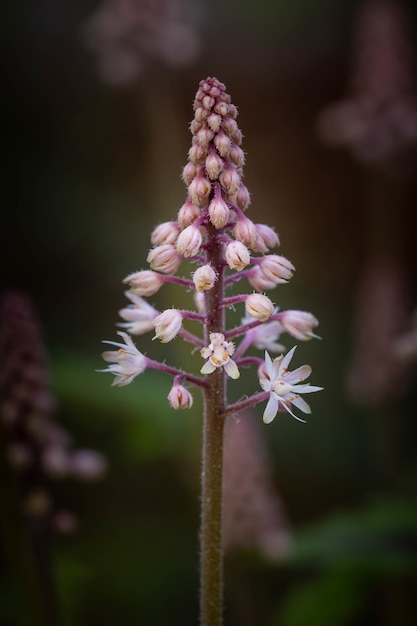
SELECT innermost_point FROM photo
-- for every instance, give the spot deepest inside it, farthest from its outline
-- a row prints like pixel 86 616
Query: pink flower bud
pixel 236 155
pixel 242 197
pixel 218 211
pixel 189 241
pixel 167 325
pixel 195 126
pixel 144 283
pixel 245 231
pixel 204 136
pixel 214 122
pixel 267 238
pixel 259 306
pixel 299 324
pixel 230 179
pixel 208 102
pixel 189 173
pixel 276 268
pixel 197 154
pixel 214 164
pixel 204 278
pixel 201 114
pixel 180 398
pixel 222 143
pixel 199 190
pixel 232 111
pixel 165 233
pixel 187 214
pixel 164 259
pixel 258 280
pixel 237 256
pixel 221 108
pixel 55 461
pixel 229 125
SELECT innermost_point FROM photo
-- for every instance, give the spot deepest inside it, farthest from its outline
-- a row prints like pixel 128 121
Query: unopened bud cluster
pixel 213 232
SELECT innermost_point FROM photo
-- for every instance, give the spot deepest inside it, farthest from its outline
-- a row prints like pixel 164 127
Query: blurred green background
pixel 90 166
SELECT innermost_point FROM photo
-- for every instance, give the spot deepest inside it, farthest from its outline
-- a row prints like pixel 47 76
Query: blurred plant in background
pixel 38 451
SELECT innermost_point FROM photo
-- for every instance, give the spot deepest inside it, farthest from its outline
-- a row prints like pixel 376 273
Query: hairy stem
pixel 211 550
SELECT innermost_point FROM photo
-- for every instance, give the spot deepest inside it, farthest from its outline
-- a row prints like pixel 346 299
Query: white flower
pixel 167 325
pixel 139 315
pixel 283 388
pixel 218 354
pixel 127 362
pixel 264 337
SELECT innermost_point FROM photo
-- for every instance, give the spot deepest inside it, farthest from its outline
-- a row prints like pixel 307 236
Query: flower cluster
pixel 38 449
pixel 213 232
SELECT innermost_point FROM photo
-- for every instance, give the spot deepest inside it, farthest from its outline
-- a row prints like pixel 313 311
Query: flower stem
pixel 211 549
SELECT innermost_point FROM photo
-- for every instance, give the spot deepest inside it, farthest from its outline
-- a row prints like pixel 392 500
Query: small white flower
pixel 139 315
pixel 299 324
pixel 283 388
pixel 218 354
pixel 167 325
pixel 265 337
pixel 127 362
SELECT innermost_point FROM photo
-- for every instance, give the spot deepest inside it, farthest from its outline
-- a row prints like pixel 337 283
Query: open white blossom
pixel 218 354
pixel 139 315
pixel 283 388
pixel 127 362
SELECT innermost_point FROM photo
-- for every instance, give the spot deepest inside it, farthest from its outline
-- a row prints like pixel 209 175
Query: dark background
pixel 90 167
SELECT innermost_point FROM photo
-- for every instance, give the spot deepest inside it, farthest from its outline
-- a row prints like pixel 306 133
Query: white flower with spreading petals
pixel 139 315
pixel 283 388
pixel 127 361
pixel 218 354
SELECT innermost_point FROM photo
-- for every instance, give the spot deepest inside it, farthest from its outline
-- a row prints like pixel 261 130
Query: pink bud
pixel 218 211
pixel 201 114
pixel 197 154
pixel 214 164
pixel 299 324
pixel 222 143
pixel 242 197
pixel 199 190
pixel 167 325
pixel 187 214
pixel 229 125
pixel 188 173
pixel 221 108
pixel 232 111
pixel 276 268
pixel 204 278
pixel 236 155
pixel 237 256
pixel 258 280
pixel 180 398
pixel 214 122
pixel 204 136
pixel 195 126
pixel 267 238
pixel 144 283
pixel 167 232
pixel 208 102
pixel 245 231
pixel 230 179
pixel 259 306
pixel 189 241
pixel 164 259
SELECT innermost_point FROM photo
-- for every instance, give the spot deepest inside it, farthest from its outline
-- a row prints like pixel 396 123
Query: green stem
pixel 211 548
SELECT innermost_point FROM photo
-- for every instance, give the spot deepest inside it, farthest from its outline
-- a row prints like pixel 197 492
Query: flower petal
pixel 208 368
pixel 301 373
pixel 271 409
pixel 286 360
pixel 231 369
pixel 301 404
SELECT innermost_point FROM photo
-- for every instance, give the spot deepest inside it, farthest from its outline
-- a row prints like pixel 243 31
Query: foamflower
pixel 139 316
pixel 126 362
pixel 283 386
pixel 218 354
pixel 167 325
